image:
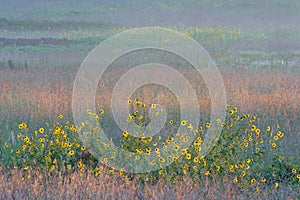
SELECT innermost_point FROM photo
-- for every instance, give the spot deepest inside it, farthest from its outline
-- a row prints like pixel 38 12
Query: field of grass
pixel 256 156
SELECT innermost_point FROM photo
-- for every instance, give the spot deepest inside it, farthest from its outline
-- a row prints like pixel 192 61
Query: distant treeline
pixel 35 42
pixel 14 25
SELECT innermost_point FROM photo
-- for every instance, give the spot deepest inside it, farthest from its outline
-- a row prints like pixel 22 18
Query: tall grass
pixel 35 94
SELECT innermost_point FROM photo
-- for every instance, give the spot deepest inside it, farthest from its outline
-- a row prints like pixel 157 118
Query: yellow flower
pixel 111 170
pixel 243 173
pixel 105 160
pixel 235 109
pixel 176 148
pixel 24 147
pixel 162 160
pixel 235 180
pixel 261 141
pixel 161 172
pixel 190 126
pixel 71 153
pixel 268 128
pixel 171 122
pixel 186 139
pixel 274 145
pixel 253 128
pixel 276 184
pixel 139 151
pixel 253 181
pixel 197 143
pixel 275 137
pixel 206 173
pixel 26 168
pixel 184 122
pixel 196 160
pixel 42 130
pixel 22 126
pixel 188 156
pixel 263 180
pixel 195 168
pixel 207 125
pixel 19 135
pixel 137 157
pixel 280 134
pixel 298 176
pixel 129 101
pixel 184 151
pixel 83 148
pixel 101 112
pixel 52 167
pixel 131 116
pixel 153 105
pixel 257 132
pixel 152 162
pixel 148 150
pixel 125 134
pixel 26 139
pixel 294 171
pixel 60 116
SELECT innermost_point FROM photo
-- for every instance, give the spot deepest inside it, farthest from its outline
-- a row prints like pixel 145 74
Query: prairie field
pixel 44 154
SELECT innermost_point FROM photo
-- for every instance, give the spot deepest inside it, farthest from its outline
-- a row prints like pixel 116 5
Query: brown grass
pixel 106 186
pixel 43 93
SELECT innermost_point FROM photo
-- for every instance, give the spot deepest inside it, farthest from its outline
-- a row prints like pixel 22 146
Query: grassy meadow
pixel 256 156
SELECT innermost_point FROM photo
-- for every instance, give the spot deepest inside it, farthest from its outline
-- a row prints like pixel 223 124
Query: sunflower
pixel 188 156
pixel 41 130
pixel 71 153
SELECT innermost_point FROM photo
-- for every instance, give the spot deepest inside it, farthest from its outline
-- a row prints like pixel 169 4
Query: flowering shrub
pixel 246 152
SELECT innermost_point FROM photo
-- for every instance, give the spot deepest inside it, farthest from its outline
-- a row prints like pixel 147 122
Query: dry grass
pixel 43 93
pixel 40 94
pixel 113 187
